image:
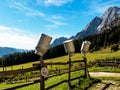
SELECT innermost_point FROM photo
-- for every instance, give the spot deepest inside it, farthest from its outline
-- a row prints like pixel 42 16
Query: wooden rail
pixel 37 67
pixel 58 63
pixel 20 71
pixel 38 80
pixel 114 63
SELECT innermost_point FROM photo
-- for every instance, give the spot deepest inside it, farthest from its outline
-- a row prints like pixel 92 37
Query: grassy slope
pixel 54 80
pixel 104 53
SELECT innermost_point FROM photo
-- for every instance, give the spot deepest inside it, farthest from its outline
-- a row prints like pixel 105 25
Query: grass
pixel 102 54
pixel 104 69
pixel 49 82
pixel 4 85
pixel 84 83
pixel 20 66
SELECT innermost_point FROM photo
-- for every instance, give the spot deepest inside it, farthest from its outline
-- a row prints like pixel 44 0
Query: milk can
pixel 69 47
pixel 85 46
pixel 43 44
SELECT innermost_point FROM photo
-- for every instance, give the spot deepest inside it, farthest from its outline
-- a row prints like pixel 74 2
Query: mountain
pixel 58 41
pixel 96 26
pixel 90 29
pixel 8 50
pixel 112 24
pixel 109 15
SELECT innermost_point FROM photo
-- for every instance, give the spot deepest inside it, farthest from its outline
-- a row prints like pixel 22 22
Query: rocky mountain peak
pixel 90 29
pixel 109 15
pixel 98 24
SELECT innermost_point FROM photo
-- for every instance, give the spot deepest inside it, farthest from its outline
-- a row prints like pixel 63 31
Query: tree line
pixel 98 41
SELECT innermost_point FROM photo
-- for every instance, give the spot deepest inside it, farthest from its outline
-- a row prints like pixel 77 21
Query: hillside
pixel 8 50
pixel 101 54
pixel 56 79
pixel 102 40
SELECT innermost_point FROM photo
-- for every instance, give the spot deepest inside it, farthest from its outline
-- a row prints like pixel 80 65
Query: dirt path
pixel 104 74
pixel 106 84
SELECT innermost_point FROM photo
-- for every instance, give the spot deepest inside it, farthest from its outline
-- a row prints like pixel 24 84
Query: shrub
pixel 115 47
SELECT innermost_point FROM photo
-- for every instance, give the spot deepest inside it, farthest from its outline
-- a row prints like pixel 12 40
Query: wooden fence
pixel 113 62
pixel 37 67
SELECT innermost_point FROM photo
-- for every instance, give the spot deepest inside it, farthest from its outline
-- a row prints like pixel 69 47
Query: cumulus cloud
pixel 14 37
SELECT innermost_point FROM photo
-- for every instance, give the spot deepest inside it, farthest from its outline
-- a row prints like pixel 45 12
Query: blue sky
pixel 23 21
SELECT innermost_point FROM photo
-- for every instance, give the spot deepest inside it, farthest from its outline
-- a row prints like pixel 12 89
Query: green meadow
pixel 102 54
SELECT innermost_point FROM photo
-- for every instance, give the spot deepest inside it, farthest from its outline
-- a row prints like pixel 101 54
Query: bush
pixel 115 47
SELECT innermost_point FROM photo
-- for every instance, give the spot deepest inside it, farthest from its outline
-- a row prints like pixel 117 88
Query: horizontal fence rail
pixel 58 63
pixel 19 71
pixel 114 63
pixel 38 80
pixel 37 67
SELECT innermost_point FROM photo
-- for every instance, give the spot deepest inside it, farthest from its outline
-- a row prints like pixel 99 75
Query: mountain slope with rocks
pixel 96 26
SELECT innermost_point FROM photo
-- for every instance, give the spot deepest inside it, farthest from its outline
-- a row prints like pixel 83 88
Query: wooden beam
pixel 20 71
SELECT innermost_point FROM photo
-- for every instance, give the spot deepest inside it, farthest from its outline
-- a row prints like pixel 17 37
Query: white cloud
pixel 53 2
pixel 55 21
pixel 2 28
pixel 14 37
pixel 55 24
pixel 99 6
pixel 56 17
pixel 27 10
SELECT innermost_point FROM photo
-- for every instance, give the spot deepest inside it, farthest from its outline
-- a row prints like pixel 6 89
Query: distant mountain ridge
pixel 9 50
pixel 58 41
pixel 95 26
pixel 90 29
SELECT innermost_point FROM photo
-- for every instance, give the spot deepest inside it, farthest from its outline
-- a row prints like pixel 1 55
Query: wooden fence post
pixel 41 77
pixel 69 71
pixel 85 67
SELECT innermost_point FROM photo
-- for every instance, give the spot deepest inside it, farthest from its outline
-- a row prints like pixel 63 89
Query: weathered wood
pixel 42 83
pixel 69 71
pixel 37 67
pixel 58 63
pixel 20 71
pixel 38 80
pixel 77 61
pixel 114 62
